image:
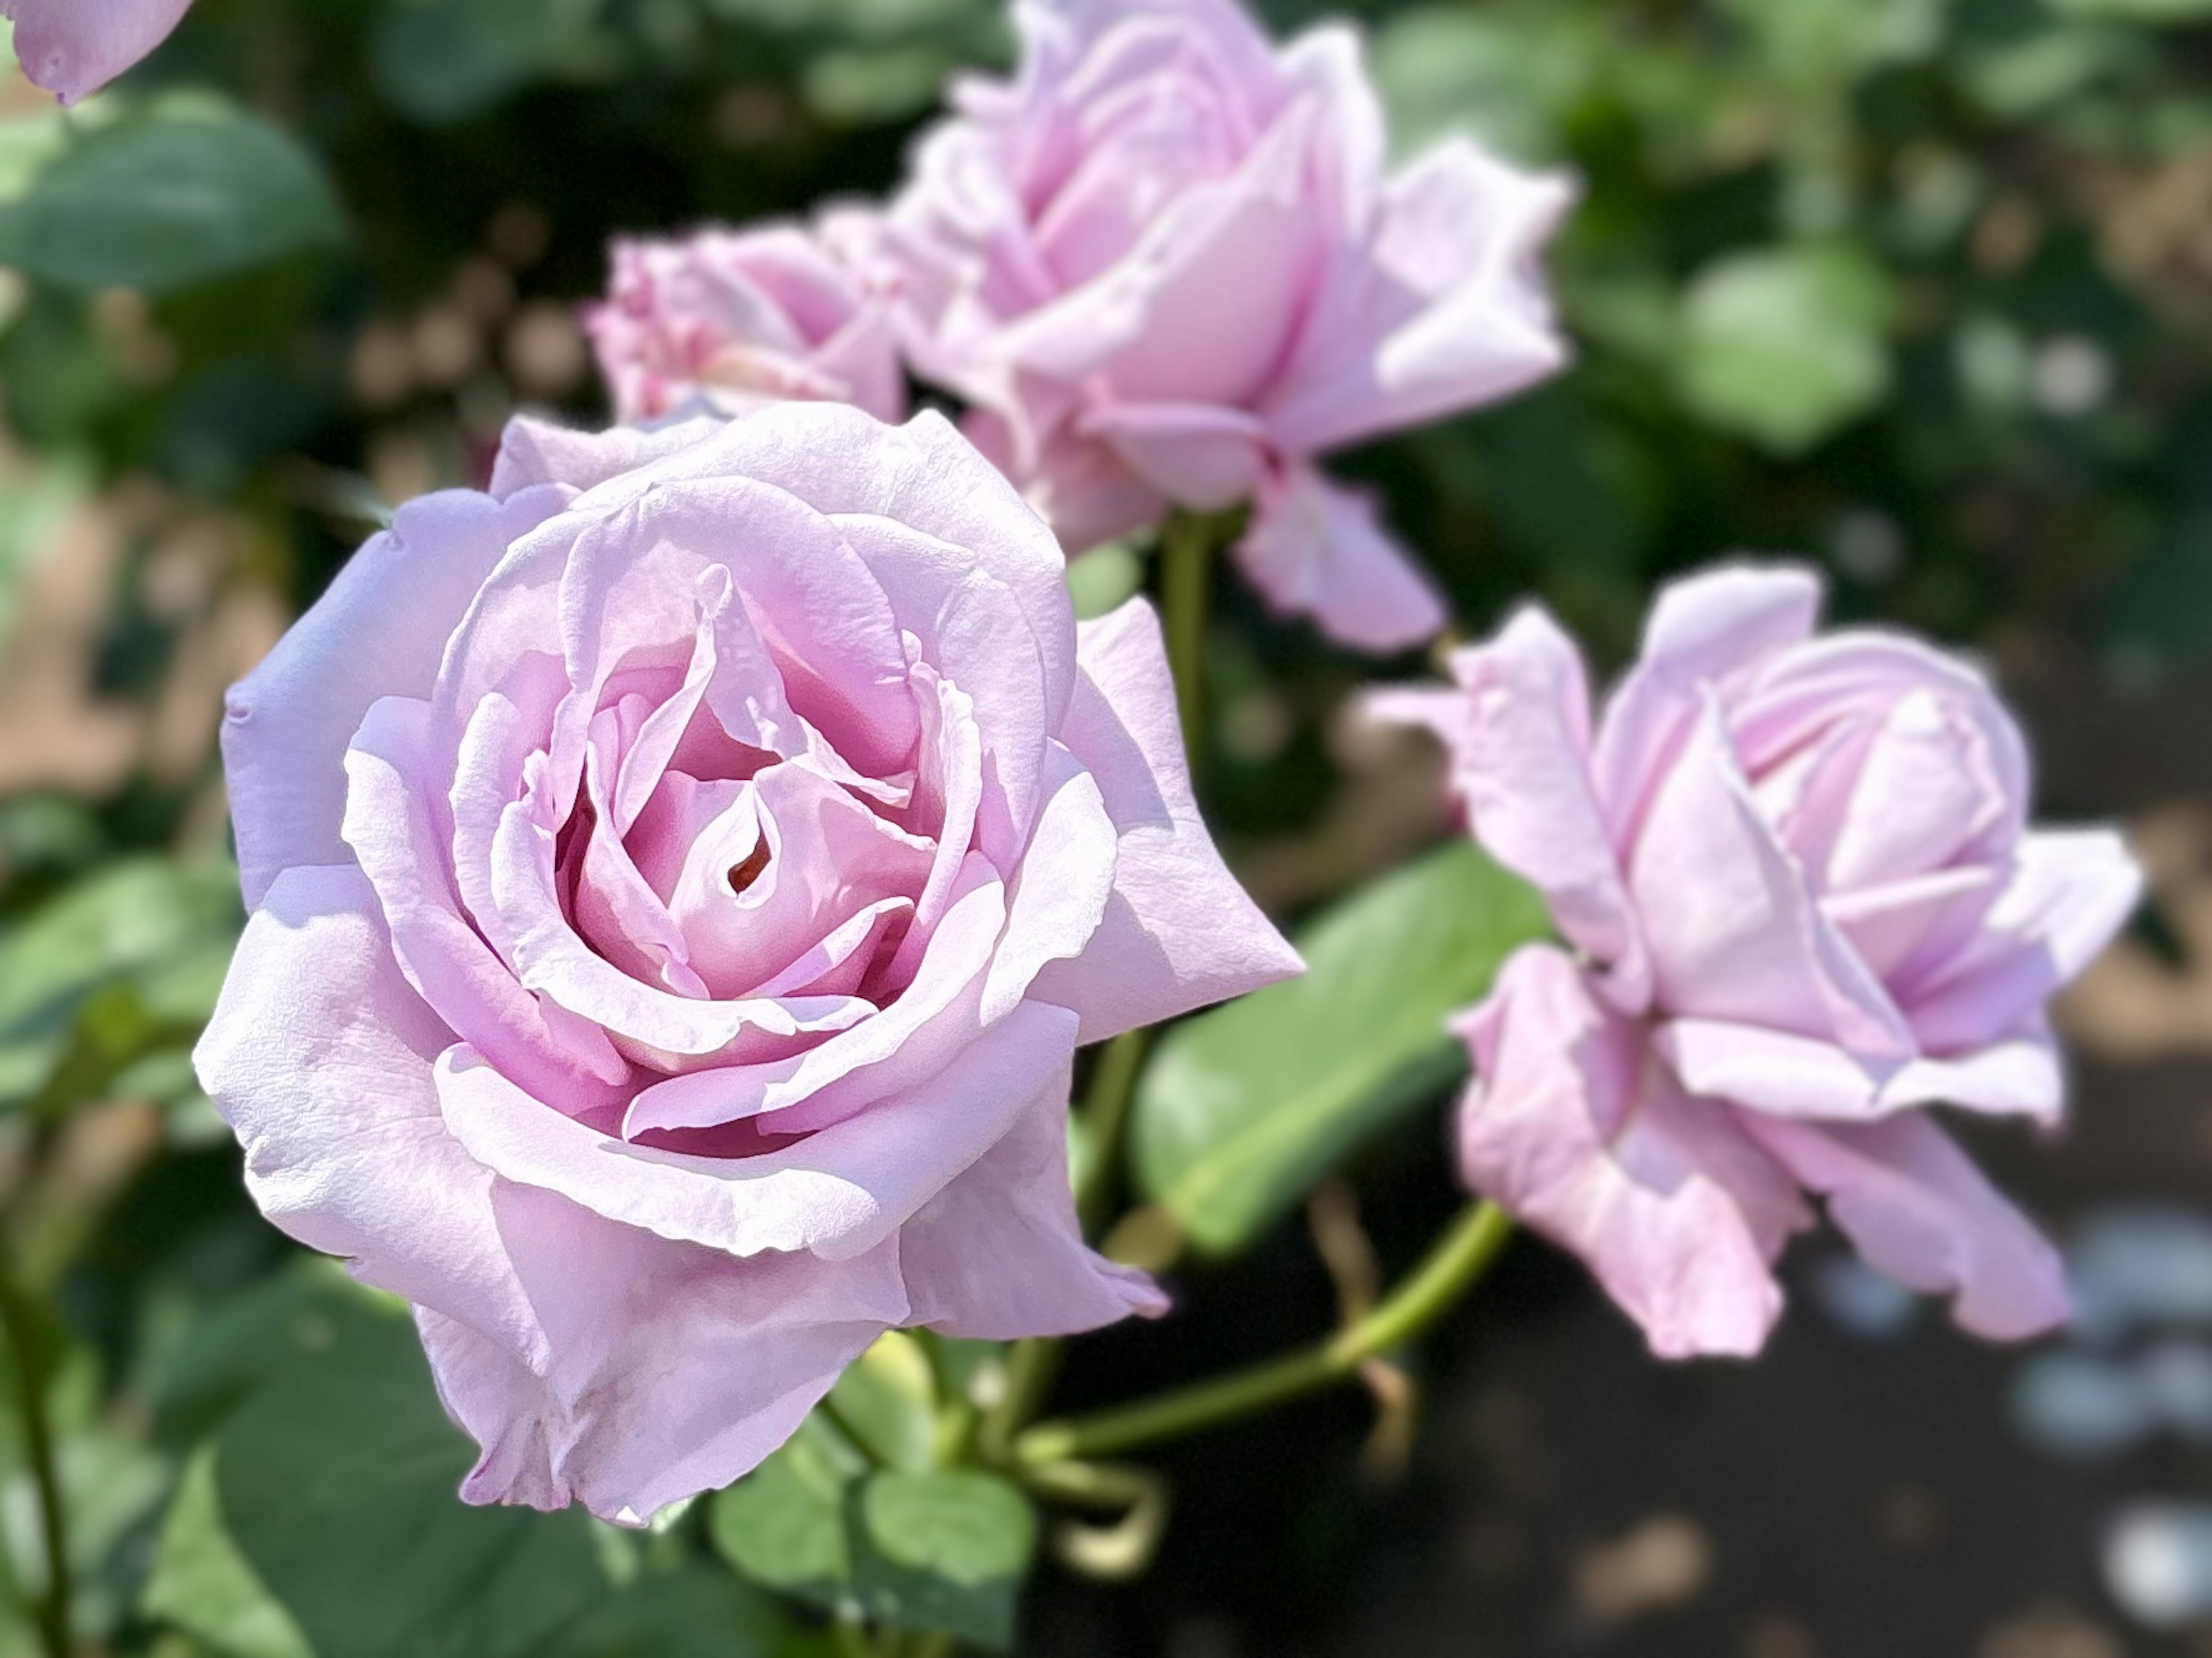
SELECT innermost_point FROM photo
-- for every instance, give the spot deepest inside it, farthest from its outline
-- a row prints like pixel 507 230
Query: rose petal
pixel 72 47
pixel 1518 732
pixel 997 1254
pixel 1316 549
pixel 1178 932
pixel 838 1193
pixel 1571 1126
pixel 320 1058
pixel 379 631
pixel 1919 1211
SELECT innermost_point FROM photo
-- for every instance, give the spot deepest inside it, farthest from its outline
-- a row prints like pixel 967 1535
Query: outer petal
pixel 998 1253
pixel 320 1057
pixel 1703 628
pixel 533 451
pixel 1732 928
pixel 1789 1076
pixel 1921 1212
pixel 1444 308
pixel 1178 932
pixel 1317 549
pixel 1573 1126
pixel 675 1369
pixel 838 1193
pixel 72 47
pixel 1519 737
pixel 2073 889
pixel 379 631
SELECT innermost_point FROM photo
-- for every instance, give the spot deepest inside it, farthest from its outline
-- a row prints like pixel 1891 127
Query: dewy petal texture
pixel 1808 906
pixel 72 47
pixel 1167 263
pixel 681 880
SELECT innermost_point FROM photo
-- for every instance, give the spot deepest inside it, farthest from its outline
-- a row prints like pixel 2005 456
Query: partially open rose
pixel 1808 906
pixel 727 320
pixel 1167 263
pixel 681 878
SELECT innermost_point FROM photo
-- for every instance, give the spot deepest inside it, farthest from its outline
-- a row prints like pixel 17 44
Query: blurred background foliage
pixel 1919 289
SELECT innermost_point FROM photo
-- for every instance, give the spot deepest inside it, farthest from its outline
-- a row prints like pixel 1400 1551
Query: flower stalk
pixel 1455 1264
pixel 19 1325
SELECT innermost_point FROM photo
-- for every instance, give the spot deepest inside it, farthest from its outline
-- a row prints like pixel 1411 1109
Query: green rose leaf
pixel 178 195
pixel 943 1550
pixel 783 1525
pixel 1245 1109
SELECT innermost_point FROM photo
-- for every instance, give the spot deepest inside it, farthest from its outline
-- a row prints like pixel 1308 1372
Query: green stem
pixel 1032 1364
pixel 1453 1267
pixel 1186 601
pixel 1105 1113
pixel 19 1322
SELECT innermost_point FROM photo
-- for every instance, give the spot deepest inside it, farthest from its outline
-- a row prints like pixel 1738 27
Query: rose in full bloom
pixel 1167 266
pixel 1805 906
pixel 727 320
pixel 72 47
pixel 680 878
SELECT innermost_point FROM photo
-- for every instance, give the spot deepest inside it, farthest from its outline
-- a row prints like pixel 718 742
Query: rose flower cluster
pixel 684 871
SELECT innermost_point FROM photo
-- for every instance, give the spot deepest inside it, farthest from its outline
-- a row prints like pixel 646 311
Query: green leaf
pixel 121 965
pixel 696 1611
pixel 944 1550
pixel 325 1504
pixel 444 60
pixel 2137 11
pixel 783 1525
pixel 1786 346
pixel 1244 1108
pixel 887 1399
pixel 175 198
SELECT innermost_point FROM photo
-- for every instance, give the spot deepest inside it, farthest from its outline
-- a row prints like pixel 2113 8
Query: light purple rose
pixel 1805 906
pixel 1167 266
pixel 72 47
pixel 681 878
pixel 727 320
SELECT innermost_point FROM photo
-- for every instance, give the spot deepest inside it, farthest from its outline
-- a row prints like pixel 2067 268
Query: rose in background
pixel 1805 906
pixel 681 878
pixel 1167 266
pixel 726 320
pixel 73 47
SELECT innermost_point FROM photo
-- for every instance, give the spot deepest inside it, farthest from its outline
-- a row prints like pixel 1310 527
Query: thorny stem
pixel 1456 1263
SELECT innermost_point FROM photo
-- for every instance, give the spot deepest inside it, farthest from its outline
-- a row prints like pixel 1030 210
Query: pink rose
pixel 1806 905
pixel 72 47
pixel 732 319
pixel 1167 265
pixel 681 878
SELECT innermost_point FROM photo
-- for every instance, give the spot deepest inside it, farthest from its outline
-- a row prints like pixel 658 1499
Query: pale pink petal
pixel 1920 1212
pixel 677 1369
pixel 72 47
pixel 2071 892
pixel 1443 306
pixel 838 1193
pixel 1204 457
pixel 997 1254
pixel 1732 932
pixel 1317 549
pixel 1083 488
pixel 1178 932
pixel 320 1058
pixel 1792 1076
pixel 1518 730
pixel 1573 1125
pixel 533 452
pixel 379 631
pixel 1702 629
pixel 387 826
